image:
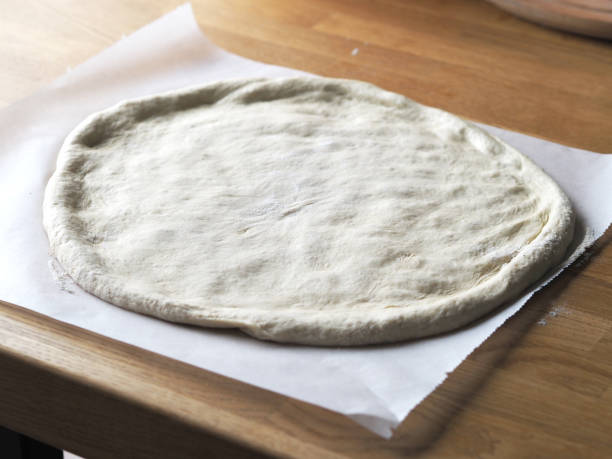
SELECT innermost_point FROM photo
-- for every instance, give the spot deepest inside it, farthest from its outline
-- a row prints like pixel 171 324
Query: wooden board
pixel 540 386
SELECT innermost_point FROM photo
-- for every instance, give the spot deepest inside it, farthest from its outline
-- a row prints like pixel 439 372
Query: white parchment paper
pixel 376 386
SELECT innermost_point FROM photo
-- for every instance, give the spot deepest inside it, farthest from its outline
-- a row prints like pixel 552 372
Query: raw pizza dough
pixel 307 210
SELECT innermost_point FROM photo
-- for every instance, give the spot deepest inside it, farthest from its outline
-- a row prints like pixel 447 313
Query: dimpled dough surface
pixel 305 210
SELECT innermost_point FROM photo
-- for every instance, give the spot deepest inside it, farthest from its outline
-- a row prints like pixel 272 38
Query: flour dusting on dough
pixel 61 277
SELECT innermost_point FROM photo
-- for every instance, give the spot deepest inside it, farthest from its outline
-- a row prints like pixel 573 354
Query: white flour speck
pixel 355 51
pixel 542 322
pixel 558 311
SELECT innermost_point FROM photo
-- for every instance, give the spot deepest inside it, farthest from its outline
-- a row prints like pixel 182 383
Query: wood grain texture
pixel 541 386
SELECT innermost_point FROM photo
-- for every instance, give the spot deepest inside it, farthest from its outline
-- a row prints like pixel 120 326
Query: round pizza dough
pixel 307 210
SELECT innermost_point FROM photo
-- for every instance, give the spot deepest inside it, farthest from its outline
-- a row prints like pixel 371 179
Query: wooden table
pixel 530 390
